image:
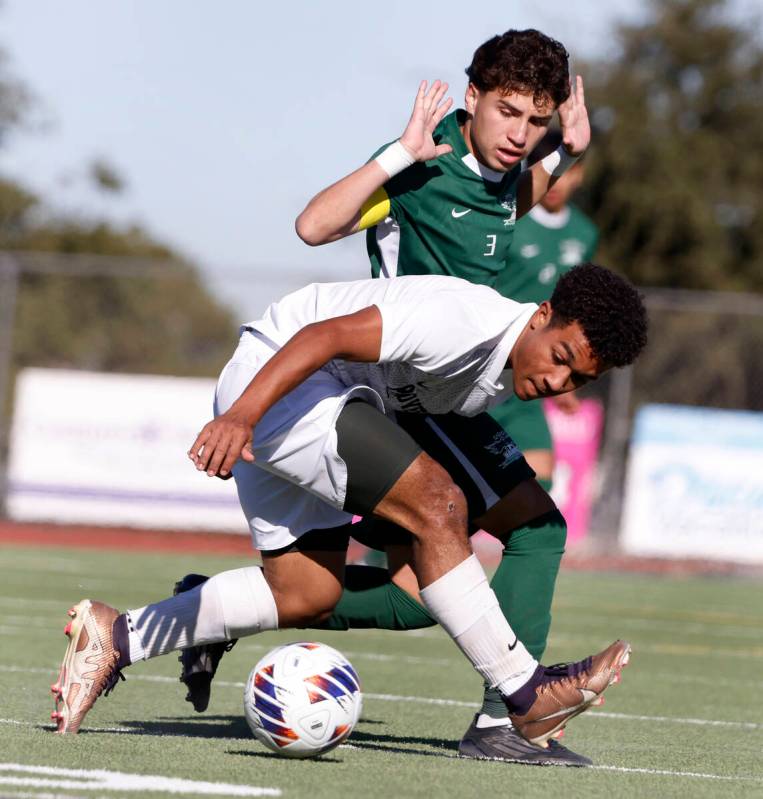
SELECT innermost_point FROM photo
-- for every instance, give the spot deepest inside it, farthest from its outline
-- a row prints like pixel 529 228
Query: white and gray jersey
pixel 445 341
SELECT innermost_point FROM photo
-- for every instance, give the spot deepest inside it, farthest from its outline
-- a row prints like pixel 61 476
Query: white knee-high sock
pixel 466 607
pixel 229 605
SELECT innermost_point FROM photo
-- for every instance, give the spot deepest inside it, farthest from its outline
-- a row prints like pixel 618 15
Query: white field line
pixel 668 773
pixel 375 656
pixel 101 779
pixel 715 630
pixel 15 601
pixel 700 680
pixel 670 649
pixel 666 649
pixel 626 770
pixel 430 700
pixel 656 612
pixel 43 795
pixel 642 615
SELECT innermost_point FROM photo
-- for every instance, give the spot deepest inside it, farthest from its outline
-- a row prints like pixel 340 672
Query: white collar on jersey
pixel 549 219
pixel 483 171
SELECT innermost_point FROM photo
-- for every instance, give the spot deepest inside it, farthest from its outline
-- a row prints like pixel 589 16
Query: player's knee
pixel 444 510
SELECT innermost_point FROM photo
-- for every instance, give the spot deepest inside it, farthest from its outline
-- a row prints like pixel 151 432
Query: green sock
pixel 524 585
pixel 371 599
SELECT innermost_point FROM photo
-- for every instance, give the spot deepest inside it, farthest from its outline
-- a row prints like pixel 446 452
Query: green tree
pixel 167 324
pixel 676 169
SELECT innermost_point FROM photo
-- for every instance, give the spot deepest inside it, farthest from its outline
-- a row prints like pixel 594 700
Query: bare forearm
pixel 354 337
pixel 335 212
pixel 303 355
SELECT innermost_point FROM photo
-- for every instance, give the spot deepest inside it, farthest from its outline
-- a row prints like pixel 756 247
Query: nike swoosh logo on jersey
pixel 456 214
pixel 513 646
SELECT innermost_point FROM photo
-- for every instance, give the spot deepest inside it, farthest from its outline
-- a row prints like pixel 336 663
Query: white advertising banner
pixel 694 486
pixel 111 449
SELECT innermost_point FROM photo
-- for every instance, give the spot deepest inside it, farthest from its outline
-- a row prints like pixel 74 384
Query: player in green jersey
pixel 444 199
pixel 454 211
pixel 552 238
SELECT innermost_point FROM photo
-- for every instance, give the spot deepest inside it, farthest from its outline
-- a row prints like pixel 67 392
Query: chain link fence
pixel 705 349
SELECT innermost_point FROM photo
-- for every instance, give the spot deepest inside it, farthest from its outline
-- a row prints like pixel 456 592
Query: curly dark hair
pixel 608 308
pixel 522 61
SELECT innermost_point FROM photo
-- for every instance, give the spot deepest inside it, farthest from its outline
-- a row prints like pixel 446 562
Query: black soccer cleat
pixel 199 663
pixel 505 743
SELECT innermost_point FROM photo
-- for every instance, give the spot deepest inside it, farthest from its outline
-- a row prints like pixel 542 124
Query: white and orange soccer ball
pixel 302 699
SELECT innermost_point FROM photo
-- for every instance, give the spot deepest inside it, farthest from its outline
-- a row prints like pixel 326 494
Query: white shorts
pixel 297 482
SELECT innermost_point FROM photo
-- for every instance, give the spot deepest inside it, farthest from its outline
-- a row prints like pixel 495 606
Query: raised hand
pixel 573 117
pixel 428 109
pixel 220 444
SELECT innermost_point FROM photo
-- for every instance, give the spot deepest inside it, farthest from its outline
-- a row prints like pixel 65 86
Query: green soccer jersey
pixel 546 245
pixel 449 216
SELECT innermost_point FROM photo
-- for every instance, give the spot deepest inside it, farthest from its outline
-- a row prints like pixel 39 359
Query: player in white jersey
pixel 305 427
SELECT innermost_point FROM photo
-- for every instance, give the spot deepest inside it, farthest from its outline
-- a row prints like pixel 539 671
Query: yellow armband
pixel 375 209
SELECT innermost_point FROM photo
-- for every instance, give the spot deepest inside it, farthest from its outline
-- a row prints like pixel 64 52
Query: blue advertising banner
pixel 694 486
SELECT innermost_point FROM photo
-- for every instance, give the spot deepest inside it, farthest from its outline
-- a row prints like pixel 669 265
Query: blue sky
pixel 226 117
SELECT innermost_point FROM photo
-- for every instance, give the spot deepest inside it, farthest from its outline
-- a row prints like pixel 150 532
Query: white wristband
pixel 558 162
pixel 394 159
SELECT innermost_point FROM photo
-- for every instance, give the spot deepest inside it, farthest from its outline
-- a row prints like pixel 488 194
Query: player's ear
pixel 470 98
pixel 543 315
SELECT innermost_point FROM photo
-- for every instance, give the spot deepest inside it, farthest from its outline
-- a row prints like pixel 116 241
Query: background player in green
pixel 548 241
pixel 444 199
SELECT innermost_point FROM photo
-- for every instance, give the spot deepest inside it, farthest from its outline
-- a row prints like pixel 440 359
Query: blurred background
pixel 153 158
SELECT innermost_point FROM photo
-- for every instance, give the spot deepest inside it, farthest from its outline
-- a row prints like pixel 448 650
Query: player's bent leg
pixel 425 501
pixel 369 449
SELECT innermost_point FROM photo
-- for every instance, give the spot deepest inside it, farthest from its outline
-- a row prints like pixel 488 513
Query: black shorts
pixel 481 458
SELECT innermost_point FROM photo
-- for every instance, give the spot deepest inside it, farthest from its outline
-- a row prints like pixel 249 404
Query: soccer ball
pixel 302 699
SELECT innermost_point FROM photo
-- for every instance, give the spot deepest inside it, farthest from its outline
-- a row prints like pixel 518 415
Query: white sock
pixel 465 605
pixel 229 605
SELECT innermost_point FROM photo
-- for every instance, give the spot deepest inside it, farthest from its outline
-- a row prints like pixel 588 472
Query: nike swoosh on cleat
pixel 456 214
pixel 564 711
pixel 588 694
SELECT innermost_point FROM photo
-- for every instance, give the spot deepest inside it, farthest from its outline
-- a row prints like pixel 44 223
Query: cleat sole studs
pixel 598 701
pixel 68 629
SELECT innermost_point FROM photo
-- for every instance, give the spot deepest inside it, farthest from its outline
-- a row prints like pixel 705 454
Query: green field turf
pixel 687 719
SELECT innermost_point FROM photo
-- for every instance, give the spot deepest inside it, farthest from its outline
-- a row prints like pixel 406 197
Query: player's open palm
pixel 573 117
pixel 221 443
pixel 428 109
